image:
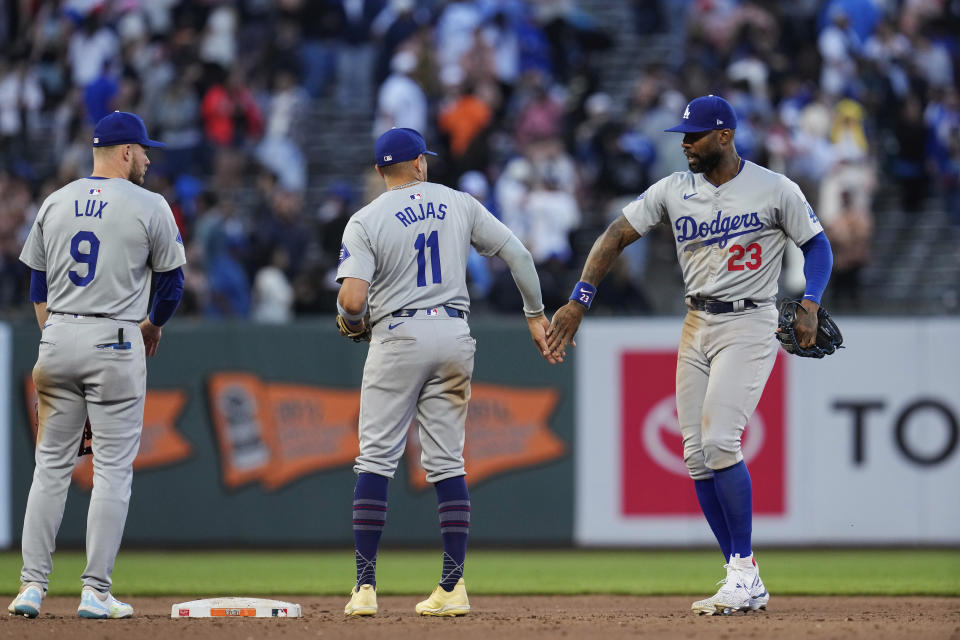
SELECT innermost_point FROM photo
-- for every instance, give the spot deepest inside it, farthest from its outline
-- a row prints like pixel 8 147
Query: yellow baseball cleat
pixel 363 601
pixel 446 603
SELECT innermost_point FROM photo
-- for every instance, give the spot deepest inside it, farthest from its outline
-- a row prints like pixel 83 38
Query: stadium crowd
pixel 844 96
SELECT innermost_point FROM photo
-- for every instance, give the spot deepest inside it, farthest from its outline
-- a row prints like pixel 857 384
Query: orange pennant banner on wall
pixel 160 443
pixel 276 433
pixel 506 430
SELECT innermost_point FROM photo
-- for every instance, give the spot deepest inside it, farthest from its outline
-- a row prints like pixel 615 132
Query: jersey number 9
pixel 89 258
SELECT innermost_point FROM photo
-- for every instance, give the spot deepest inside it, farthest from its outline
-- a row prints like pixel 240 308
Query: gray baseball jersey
pixel 99 240
pixel 730 242
pixel 412 246
pixel 731 238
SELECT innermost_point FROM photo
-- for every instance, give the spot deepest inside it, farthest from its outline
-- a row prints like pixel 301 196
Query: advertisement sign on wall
pixel 860 447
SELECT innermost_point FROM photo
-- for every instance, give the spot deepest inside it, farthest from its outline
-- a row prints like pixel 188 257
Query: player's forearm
pixel 524 274
pixel 38 295
pixel 607 249
pixel 169 291
pixel 40 309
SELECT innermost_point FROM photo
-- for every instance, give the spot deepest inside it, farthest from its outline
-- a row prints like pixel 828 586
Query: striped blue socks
pixel 369 518
pixel 453 507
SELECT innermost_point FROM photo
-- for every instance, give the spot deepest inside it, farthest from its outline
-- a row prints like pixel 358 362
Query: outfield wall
pixel 250 433
pixel 860 447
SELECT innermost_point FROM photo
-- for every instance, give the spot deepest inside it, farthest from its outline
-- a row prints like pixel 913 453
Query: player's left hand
pixel 359 331
pixel 805 328
pixel 564 326
pixel 151 336
pixel 538 326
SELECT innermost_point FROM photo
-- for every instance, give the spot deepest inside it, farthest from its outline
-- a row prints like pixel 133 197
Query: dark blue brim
pixel 154 144
pixel 429 153
pixel 687 128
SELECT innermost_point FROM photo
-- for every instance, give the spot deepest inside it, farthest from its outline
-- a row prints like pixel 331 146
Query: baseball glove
pixel 828 340
pixel 357 333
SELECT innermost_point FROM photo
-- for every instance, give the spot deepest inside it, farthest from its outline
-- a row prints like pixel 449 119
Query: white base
pixel 235 607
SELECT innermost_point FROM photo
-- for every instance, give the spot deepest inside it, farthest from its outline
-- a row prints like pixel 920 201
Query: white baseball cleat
pixel 741 590
pixel 27 602
pixel 96 605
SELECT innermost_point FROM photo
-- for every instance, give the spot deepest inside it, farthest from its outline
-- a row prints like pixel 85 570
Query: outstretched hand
pixel 538 326
pixel 564 326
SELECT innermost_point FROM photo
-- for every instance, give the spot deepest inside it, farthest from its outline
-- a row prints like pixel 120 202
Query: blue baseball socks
pixel 735 495
pixel 453 507
pixel 369 518
pixel 713 512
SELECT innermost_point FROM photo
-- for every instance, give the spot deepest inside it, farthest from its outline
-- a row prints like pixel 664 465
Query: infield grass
pixel 527 572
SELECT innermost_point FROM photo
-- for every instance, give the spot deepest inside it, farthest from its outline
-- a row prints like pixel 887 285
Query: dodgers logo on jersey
pixel 179 238
pixel 718 231
pixel 813 216
pixel 344 254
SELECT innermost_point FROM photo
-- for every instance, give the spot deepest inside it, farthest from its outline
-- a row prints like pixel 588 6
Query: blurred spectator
pixel 231 116
pixel 272 292
pixel 400 101
pixel 852 169
pixel 176 115
pixel 99 94
pixel 910 160
pixel 464 119
pixel 91 46
pixel 850 234
pixel 540 113
pixel 839 46
pixel 279 151
pixel 20 99
pixel 355 62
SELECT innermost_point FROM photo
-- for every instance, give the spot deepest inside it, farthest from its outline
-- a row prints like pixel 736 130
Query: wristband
pixel 352 318
pixel 584 293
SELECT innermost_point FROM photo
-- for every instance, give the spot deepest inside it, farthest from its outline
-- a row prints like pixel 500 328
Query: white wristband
pixel 352 318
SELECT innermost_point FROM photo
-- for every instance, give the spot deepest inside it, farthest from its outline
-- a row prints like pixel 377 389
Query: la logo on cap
pixel 686 113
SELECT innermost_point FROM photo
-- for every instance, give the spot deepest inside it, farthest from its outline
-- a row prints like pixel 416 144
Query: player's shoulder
pixel 774 178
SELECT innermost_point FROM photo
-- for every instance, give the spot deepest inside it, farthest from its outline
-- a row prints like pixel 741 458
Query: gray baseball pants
pixel 421 365
pixel 79 373
pixel 723 364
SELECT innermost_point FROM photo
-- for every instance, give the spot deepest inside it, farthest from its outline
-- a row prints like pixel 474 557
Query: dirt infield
pixel 498 617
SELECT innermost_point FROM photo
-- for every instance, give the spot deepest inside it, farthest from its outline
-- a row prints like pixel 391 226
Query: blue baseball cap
pixel 399 145
pixel 706 113
pixel 121 127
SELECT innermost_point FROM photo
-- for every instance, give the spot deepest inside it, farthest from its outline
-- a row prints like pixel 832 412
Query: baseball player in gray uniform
pixel 731 220
pixel 403 265
pixel 93 250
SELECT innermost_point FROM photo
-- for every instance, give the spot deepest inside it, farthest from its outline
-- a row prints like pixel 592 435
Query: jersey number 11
pixel 427 242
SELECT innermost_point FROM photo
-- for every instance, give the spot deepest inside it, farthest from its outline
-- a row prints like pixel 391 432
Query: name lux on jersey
pixel 93 209
pixel 722 227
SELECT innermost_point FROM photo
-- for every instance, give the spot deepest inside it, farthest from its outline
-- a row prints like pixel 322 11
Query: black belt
pixel 84 315
pixel 719 306
pixel 409 313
